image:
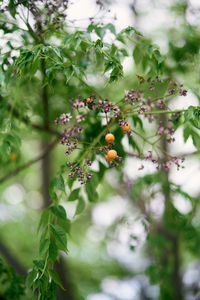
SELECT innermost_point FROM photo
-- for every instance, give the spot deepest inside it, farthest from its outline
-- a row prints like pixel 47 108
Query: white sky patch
pixel 183 205
pixel 188 177
pixel 106 213
pixel 99 296
pixel 121 289
pixel 133 164
pixel 14 194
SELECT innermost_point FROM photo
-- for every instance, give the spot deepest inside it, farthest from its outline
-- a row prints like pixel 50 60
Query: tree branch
pixel 30 162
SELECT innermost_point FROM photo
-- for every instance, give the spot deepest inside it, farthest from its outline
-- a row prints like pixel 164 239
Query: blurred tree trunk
pixel 46 171
pixel 173 238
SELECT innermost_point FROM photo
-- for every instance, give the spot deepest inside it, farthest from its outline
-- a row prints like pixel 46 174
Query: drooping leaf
pixel 30 278
pixel 80 206
pixel 59 211
pixel 55 277
pixel 53 251
pixel 74 195
pixel 44 246
pixel 59 235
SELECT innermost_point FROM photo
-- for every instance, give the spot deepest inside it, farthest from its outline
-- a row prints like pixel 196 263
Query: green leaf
pixel 1 76
pixel 111 27
pixel 90 188
pixel 108 66
pixel 53 251
pixel 59 211
pixel 137 120
pixel 80 206
pixel 133 143
pixel 98 45
pixel 189 114
pixel 59 235
pixel 186 133
pixel 128 30
pixel 158 56
pixel 43 219
pixel 39 264
pixel 137 54
pixel 12 8
pixel 195 139
pixel 65 224
pixel 69 72
pixel 44 246
pixel 74 195
pixel 57 183
pixel 30 278
pixel 55 277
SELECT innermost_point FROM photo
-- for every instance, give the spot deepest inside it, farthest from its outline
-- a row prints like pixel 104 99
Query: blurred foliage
pixel 59 62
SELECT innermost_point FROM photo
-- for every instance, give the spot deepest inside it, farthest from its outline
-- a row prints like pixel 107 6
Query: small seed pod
pixel 111 154
pixel 126 127
pixel 109 138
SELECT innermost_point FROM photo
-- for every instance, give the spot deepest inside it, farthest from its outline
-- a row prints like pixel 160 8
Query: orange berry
pixel 109 138
pixel 126 127
pixel 13 157
pixel 111 154
pixel 88 100
pixel 107 158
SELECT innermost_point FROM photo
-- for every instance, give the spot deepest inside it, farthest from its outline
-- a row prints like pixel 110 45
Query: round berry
pixel 111 154
pixel 109 138
pixel 126 127
pixel 13 157
pixel 89 100
pixel 107 158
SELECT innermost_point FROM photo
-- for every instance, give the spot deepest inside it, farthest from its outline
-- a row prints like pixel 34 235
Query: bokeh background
pixel 108 252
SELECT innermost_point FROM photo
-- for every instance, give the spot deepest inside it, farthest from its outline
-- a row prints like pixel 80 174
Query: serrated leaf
pixel 137 120
pixel 137 54
pixel 30 278
pixel 65 224
pixel 186 133
pixel 53 251
pixel 74 195
pixel 111 27
pixel 130 30
pixel 80 206
pixel 158 56
pixel 195 139
pixel 59 211
pixel 39 264
pixel 59 235
pixel 189 114
pixel 43 219
pixel 134 145
pixel 57 183
pixel 69 72
pixel 91 189
pixel 108 66
pixel 98 45
pixel 44 246
pixel 55 277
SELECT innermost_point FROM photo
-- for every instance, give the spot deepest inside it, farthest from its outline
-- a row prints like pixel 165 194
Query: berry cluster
pixel 81 173
pixel 72 134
